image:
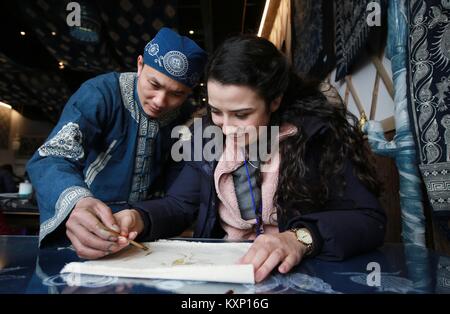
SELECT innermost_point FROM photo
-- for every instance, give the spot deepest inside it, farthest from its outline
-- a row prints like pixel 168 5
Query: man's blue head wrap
pixel 178 57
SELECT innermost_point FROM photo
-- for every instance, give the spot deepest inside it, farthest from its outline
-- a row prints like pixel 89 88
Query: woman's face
pixel 239 111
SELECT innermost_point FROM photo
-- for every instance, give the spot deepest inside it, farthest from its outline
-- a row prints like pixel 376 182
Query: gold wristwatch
pixel 304 237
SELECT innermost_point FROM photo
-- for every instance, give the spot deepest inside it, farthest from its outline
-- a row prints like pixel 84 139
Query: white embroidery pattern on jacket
pixel 66 143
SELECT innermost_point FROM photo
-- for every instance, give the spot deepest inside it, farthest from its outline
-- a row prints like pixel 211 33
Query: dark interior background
pixel 43 60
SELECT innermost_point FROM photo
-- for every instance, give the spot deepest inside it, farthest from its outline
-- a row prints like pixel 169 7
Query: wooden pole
pixel 358 102
pixel 384 76
pixel 373 106
pixel 268 19
pixel 346 95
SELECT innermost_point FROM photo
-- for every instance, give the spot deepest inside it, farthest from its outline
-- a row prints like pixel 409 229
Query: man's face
pixel 157 92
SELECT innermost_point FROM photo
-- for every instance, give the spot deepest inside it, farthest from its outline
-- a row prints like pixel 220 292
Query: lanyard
pixel 258 213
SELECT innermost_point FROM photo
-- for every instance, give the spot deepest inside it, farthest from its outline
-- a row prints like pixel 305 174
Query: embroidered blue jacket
pixel 105 146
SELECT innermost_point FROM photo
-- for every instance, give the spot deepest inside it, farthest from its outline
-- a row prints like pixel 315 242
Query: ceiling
pixel 43 60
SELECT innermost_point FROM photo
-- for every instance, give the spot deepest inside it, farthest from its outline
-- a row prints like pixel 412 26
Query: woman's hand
pixel 130 223
pixel 269 250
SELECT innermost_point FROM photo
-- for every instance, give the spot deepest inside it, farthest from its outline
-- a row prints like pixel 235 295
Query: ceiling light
pixel 23 33
pixel 191 32
pixel 53 33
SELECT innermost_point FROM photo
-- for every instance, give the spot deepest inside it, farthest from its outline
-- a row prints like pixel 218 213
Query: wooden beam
pixel 373 106
pixel 244 11
pixel 346 96
pixel 269 15
pixel 356 98
pixel 207 19
pixel 384 76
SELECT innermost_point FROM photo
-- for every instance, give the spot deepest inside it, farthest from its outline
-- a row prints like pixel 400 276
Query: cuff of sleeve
pixel 315 234
pixel 63 207
pixel 147 225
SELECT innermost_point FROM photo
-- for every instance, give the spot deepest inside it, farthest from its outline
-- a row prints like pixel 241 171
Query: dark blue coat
pixel 350 224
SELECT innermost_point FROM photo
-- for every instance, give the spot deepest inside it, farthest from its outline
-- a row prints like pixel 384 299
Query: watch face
pixel 304 236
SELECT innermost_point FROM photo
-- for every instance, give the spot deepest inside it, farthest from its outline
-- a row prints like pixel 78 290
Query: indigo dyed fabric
pixel 313 38
pixel 429 95
pixel 354 36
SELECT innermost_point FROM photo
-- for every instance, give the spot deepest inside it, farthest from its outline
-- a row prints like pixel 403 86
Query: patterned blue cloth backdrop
pixel 429 98
pixel 314 20
pixel 354 36
pixel 402 147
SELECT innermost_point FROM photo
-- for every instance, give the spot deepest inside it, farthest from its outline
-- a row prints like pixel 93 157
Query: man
pixel 111 143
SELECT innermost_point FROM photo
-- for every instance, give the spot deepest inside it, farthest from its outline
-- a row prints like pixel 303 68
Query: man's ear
pixel 140 65
pixel 275 104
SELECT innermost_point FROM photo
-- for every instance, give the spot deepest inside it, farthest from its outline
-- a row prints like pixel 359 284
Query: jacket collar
pixel 232 157
pixel 312 126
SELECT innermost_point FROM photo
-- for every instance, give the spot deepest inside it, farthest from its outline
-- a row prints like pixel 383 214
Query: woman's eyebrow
pixel 242 109
pixel 237 110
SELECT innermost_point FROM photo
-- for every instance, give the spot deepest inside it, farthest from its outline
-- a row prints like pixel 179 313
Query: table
pixel 393 268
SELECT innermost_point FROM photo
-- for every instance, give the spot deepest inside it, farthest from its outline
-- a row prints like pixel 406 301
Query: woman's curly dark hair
pixel 256 63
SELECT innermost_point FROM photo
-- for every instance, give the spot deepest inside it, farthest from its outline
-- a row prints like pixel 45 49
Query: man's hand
pixel 269 250
pixel 130 223
pixel 85 229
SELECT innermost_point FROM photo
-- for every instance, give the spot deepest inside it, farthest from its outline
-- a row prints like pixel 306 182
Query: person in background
pixel 7 185
pixel 7 182
pixel 112 145
pixel 9 168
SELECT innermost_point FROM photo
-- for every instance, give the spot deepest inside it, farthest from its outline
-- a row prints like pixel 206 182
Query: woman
pixel 321 200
